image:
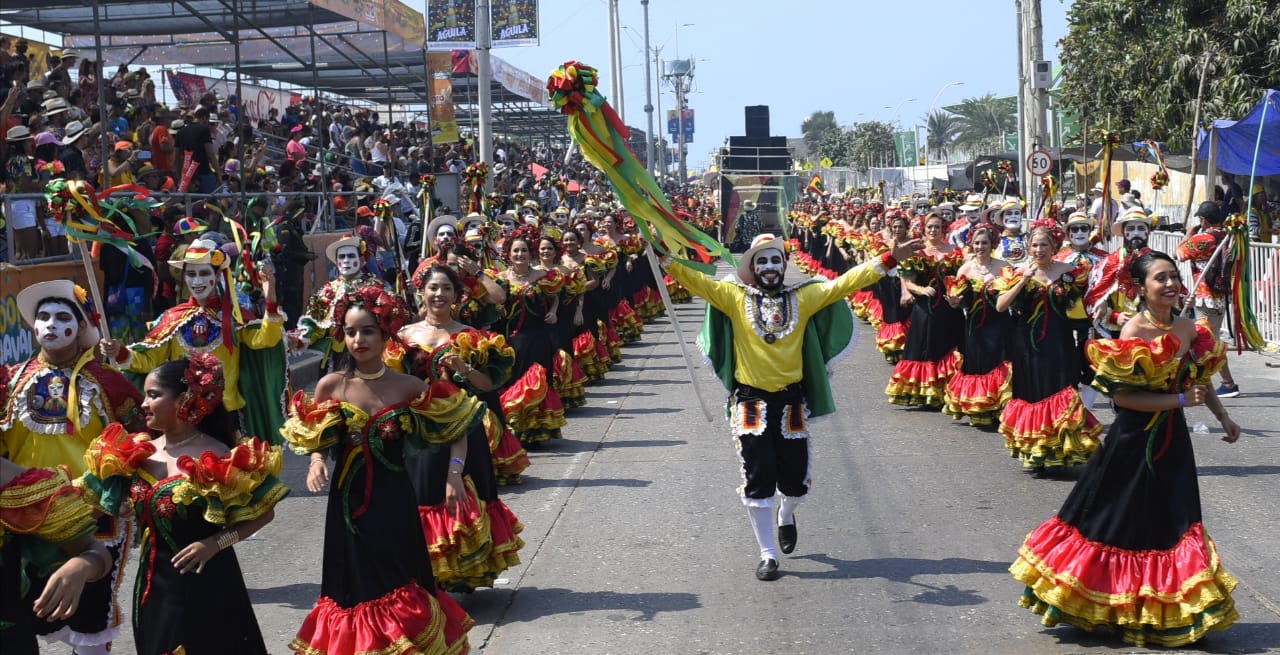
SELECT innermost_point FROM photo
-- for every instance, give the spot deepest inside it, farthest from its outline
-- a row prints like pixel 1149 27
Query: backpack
pixel 1217 276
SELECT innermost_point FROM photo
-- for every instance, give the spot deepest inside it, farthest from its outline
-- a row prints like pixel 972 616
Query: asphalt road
pixel 637 542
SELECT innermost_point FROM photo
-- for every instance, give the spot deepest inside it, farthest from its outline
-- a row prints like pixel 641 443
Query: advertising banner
pixel 451 24
pixel 674 124
pixel 444 122
pixel 905 145
pixel 513 22
pixel 38 55
pixel 257 103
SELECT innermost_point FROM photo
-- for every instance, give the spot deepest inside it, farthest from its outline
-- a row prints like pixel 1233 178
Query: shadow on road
pixel 533 484
pixel 1239 638
pixel 641 443
pixel 904 569
pixel 301 595
pixel 1238 471
pixel 533 603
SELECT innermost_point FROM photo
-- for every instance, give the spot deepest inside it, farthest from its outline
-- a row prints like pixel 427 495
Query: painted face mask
pixel 348 261
pixel 1135 235
pixel 200 280
pixel 971 215
pixel 1012 219
pixel 1079 234
pixel 947 215
pixel 445 236
pixel 55 326
pixel 769 268
pixel 508 226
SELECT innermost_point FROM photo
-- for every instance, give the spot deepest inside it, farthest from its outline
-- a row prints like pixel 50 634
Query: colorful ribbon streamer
pixel 602 137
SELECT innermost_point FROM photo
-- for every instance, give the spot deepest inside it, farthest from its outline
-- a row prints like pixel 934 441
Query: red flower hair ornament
pixel 390 311
pixel 205 385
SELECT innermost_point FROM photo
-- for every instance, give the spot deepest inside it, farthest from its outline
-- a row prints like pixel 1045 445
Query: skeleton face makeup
pixel 348 261
pixel 201 280
pixel 769 266
pixel 1135 235
pixel 55 326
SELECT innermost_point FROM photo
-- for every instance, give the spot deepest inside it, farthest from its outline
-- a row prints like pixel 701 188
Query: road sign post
pixel 1040 162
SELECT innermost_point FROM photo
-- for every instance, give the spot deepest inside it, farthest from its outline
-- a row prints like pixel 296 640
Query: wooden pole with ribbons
pixel 92 282
pixel 675 326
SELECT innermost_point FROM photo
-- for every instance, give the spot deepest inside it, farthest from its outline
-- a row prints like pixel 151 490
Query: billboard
pixel 904 143
pixel 451 24
pixel 257 103
pixel 513 22
pixel 444 122
pixel 674 124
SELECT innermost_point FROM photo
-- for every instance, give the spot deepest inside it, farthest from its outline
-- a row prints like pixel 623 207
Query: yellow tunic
pixel 257 334
pixel 772 366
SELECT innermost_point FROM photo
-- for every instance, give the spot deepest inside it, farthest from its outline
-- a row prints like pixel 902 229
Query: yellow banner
pixel 389 15
pixel 38 55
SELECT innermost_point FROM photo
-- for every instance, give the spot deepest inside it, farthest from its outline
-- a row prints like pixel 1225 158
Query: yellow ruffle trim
pixel 229 483
pixel 51 509
pixel 309 426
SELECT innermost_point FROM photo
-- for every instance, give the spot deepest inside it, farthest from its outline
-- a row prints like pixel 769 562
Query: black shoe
pixel 787 537
pixel 768 569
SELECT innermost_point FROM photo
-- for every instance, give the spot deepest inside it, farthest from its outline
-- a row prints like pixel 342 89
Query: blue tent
pixel 1237 140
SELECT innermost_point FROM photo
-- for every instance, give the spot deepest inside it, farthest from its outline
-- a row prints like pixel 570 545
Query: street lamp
pixel 893 122
pixel 931 106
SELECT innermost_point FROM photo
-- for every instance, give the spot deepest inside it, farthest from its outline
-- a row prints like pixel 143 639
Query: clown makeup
pixel 508 225
pixel 200 280
pixel 55 326
pixel 1079 233
pixel 531 219
pixel 947 215
pixel 972 216
pixel 769 265
pixel 349 260
pixel 445 236
pixel 1012 219
pixel 1135 234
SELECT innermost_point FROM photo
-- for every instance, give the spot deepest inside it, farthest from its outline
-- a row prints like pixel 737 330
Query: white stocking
pixel 787 509
pixel 762 524
pixel 101 649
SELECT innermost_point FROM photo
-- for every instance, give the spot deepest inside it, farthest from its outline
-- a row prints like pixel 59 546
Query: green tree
pixel 872 145
pixel 1135 65
pixel 983 122
pixel 836 144
pixel 943 128
pixel 814 128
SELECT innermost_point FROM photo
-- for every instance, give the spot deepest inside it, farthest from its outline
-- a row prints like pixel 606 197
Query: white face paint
pixel 1135 229
pixel 445 235
pixel 55 326
pixel 769 266
pixel 1012 219
pixel 531 219
pixel 348 261
pixel 508 226
pixel 972 216
pixel 1079 234
pixel 947 215
pixel 200 280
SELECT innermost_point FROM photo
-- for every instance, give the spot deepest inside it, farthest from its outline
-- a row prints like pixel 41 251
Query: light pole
pixel 930 114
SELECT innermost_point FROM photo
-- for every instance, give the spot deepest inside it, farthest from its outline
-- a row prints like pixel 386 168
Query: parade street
pixel 636 541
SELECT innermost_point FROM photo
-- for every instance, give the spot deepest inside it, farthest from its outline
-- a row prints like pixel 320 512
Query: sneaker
pixel 1228 391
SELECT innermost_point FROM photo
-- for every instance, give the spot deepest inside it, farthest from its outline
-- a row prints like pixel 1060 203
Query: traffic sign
pixel 1040 162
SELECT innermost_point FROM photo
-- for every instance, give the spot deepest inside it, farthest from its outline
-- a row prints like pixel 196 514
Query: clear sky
pixel 852 57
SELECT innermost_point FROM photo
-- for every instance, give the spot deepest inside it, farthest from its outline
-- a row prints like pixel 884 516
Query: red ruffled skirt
pixel 676 291
pixel 509 457
pixel 980 396
pixel 891 340
pixel 612 341
pixel 591 355
pixel 921 383
pixel 471 548
pixel 569 381
pixel 626 321
pixel 1055 432
pixel 533 409
pixel 860 303
pixel 407 621
pixel 648 303
pixel 1166 597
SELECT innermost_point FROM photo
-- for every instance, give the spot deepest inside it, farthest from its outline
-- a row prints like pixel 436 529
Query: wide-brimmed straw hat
pixel 761 242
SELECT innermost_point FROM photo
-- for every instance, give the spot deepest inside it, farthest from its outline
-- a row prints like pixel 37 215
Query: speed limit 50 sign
pixel 1040 162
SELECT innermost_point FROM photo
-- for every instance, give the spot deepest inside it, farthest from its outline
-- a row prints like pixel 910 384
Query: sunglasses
pixel 1082 229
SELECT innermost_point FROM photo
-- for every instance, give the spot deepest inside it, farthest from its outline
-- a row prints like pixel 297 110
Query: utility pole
pixel 1038 134
pixel 615 62
pixel 484 81
pixel 1021 152
pixel 648 91
pixel 680 72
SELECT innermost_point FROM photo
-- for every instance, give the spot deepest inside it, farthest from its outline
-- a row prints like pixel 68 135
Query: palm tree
pixel 984 121
pixel 814 127
pixel 943 127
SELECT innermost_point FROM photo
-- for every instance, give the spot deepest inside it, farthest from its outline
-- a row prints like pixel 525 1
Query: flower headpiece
pixel 981 228
pixel 391 311
pixel 205 386
pixel 1050 226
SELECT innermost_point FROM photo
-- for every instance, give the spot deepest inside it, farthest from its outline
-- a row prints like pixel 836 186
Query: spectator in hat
pixel 60 75
pixel 30 103
pixel 72 155
pixel 120 166
pixel 1211 296
pixel 90 74
pixel 1096 208
pixel 20 177
pixel 294 149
